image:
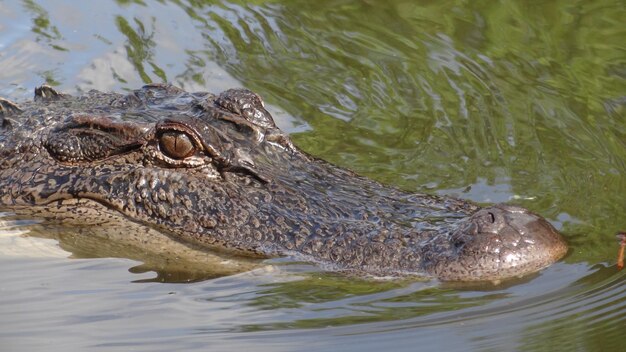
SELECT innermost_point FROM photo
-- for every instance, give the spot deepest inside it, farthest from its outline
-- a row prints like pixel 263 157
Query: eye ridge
pixel 176 144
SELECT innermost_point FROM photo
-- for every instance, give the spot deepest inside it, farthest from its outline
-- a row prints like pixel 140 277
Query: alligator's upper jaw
pixel 498 243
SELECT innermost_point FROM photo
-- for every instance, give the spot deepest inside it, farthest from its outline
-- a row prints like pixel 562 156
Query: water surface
pixel 507 102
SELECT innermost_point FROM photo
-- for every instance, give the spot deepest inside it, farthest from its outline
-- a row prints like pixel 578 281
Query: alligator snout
pixel 507 221
pixel 499 242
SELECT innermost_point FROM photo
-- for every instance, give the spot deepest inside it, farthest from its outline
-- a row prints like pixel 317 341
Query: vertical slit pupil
pixel 176 145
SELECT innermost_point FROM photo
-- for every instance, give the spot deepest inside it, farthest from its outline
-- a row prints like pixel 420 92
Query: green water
pixel 518 102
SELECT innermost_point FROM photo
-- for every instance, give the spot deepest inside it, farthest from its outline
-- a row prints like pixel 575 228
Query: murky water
pixel 522 103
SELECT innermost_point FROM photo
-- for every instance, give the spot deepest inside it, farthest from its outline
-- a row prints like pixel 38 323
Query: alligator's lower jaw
pixel 86 227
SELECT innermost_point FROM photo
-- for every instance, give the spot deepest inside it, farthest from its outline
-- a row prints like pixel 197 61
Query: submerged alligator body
pixel 214 171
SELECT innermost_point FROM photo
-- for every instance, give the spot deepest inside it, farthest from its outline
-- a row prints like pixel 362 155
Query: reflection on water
pixel 139 48
pixel 170 260
pixel 516 102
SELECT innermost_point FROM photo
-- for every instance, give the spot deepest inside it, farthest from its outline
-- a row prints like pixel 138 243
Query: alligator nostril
pixel 492 217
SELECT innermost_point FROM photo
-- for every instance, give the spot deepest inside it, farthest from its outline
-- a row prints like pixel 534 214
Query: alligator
pixel 215 172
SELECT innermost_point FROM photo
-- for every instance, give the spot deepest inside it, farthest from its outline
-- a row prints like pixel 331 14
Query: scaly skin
pixel 215 171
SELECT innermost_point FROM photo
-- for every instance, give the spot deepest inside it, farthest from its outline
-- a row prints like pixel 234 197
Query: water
pixel 522 103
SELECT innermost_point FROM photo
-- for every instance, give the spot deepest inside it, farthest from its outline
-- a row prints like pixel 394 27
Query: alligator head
pixel 215 171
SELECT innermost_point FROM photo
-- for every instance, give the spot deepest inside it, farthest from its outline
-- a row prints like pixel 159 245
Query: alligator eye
pixel 176 145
